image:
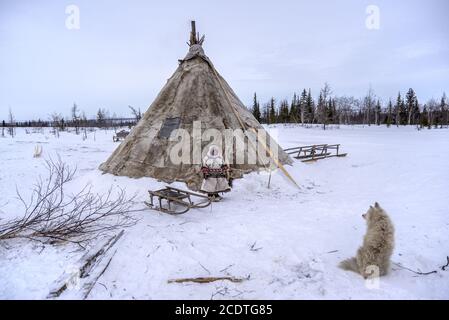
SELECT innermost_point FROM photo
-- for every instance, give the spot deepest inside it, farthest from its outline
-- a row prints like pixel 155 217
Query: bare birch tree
pixel 11 124
pixel 51 215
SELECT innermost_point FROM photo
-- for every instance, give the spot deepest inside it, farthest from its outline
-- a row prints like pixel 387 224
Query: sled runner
pixel 315 152
pixel 176 198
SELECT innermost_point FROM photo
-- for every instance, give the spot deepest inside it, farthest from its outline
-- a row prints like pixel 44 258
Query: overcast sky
pixel 124 51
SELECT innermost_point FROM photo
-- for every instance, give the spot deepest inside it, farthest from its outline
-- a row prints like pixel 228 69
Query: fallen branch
pixel 416 272
pixel 206 279
pixel 50 215
pixel 84 266
pixel 252 248
pixel 89 286
pixel 92 259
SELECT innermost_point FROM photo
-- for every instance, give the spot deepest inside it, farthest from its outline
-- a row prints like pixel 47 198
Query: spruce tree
pixel 283 112
pixel 377 112
pixel 389 119
pixel 272 112
pixel 256 108
pixel 401 112
pixel 411 104
pixel 302 106
pixel 444 111
pixel 293 114
pixel 334 112
pixel 416 112
pixel 424 121
pixel 310 107
pixel 329 112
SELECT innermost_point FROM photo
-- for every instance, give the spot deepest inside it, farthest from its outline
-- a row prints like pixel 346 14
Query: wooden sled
pixel 315 152
pixel 176 197
pixel 121 135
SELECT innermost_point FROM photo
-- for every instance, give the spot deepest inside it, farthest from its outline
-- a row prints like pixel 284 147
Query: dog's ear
pixel 376 205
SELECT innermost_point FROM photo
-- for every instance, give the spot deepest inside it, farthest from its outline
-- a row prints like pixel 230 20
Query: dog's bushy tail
pixel 349 264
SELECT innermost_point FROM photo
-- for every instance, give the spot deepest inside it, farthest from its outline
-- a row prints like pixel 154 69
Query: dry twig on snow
pixel 206 279
pixel 416 272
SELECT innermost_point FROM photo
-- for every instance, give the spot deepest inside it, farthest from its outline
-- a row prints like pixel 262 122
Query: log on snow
pixel 84 266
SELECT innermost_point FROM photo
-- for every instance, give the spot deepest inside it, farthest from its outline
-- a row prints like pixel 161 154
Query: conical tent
pixel 195 108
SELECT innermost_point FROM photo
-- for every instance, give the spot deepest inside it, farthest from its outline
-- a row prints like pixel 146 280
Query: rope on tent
pixel 242 124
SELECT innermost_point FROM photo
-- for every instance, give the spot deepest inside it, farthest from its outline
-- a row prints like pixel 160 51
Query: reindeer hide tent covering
pixel 195 92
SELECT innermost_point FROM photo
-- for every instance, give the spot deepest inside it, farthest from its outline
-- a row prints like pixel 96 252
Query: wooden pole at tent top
pixel 195 36
pixel 193 39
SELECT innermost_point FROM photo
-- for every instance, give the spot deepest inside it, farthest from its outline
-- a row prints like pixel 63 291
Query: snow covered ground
pixel 288 241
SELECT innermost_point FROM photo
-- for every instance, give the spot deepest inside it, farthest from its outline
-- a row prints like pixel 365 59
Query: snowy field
pixel 287 241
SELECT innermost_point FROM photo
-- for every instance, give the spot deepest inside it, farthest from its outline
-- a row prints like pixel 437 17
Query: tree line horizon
pixel 368 110
pixel 302 109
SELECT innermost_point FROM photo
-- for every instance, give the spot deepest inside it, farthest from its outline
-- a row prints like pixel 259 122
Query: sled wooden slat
pixel 182 198
pixel 315 152
pixel 295 149
pixel 316 156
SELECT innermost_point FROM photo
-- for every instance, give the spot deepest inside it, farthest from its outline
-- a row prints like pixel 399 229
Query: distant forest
pixel 302 109
pixel 369 110
pixel 77 120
